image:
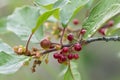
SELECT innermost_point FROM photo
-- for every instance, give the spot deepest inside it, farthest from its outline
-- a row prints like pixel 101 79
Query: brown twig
pixel 28 42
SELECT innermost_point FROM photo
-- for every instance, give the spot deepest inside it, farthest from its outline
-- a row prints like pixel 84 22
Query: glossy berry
pixel 64 58
pixel 45 44
pixel 70 37
pixel 110 23
pixel 77 47
pixel 56 55
pixel 65 49
pixel 102 31
pixel 76 56
pixel 75 21
pixel 82 31
pixel 70 56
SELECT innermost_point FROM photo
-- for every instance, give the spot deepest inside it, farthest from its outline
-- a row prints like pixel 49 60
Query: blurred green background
pixel 98 60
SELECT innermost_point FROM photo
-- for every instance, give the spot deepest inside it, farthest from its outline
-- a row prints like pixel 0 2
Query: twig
pixel 28 42
pixel 61 39
pixel 90 40
pixel 113 38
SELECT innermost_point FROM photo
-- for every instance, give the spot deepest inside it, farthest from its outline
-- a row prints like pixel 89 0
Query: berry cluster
pixel 65 54
pixel 103 29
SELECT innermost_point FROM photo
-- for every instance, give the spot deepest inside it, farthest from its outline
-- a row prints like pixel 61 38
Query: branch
pixel 113 38
pixel 90 40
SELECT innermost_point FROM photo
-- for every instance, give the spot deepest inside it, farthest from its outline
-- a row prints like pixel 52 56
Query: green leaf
pixel 89 4
pixel 70 9
pixel 72 72
pixel 23 20
pixel 114 30
pixel 100 14
pixel 60 3
pixel 43 18
pixel 4 47
pixel 3 29
pixel 45 2
pixel 9 62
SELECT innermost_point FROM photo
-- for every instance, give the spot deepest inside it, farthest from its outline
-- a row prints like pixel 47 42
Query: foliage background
pixel 99 61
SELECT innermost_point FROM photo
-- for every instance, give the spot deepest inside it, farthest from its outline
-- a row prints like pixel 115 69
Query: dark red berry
pixel 56 55
pixel 75 21
pixel 110 23
pixel 77 47
pixel 64 58
pixel 65 49
pixel 76 56
pixel 70 37
pixel 83 31
pixel 70 56
pixel 45 43
pixel 102 31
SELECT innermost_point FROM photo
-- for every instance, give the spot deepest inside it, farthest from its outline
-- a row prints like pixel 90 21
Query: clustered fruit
pixel 63 54
pixel 66 54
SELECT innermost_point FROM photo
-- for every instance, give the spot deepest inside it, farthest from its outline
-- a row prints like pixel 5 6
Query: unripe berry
pixel 76 56
pixel 20 50
pixel 70 56
pixel 77 47
pixel 45 44
pixel 75 21
pixel 58 47
pixel 110 23
pixel 102 31
pixel 16 49
pixel 70 37
pixel 65 49
pixel 83 31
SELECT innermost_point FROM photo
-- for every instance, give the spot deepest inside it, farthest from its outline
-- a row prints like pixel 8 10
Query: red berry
pixel 45 43
pixel 70 56
pixel 70 37
pixel 82 31
pixel 56 55
pixel 77 47
pixel 76 56
pixel 65 49
pixel 102 31
pixel 64 58
pixel 75 21
pixel 110 23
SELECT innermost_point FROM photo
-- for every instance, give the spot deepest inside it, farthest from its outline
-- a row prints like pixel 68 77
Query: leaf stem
pixel 71 70
pixel 28 42
pixel 61 39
